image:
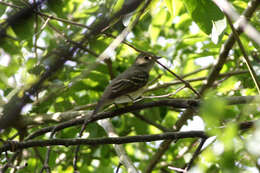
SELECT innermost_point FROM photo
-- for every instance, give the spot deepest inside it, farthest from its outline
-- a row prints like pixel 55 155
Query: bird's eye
pixel 147 58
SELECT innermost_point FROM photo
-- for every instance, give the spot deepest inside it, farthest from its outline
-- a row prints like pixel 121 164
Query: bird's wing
pixel 128 84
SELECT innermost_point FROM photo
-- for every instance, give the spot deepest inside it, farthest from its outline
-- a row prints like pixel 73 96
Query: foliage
pixel 188 34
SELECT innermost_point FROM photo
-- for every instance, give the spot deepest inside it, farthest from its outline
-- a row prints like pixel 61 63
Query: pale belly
pixel 130 97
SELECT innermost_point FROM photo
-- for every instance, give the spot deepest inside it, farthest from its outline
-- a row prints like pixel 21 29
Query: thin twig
pixel 178 77
pixel 248 29
pixel 197 71
pixel 10 161
pixel 249 66
pixel 120 151
pixel 177 169
pixel 38 155
pixel 164 96
pixel 175 82
pixel 35 31
pixel 47 155
pixel 73 42
pixel 10 5
pixel 159 126
pixel 195 155
pixel 118 167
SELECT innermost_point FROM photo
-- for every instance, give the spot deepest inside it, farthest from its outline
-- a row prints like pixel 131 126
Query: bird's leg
pixel 130 98
pixel 135 100
pixel 138 99
pixel 116 105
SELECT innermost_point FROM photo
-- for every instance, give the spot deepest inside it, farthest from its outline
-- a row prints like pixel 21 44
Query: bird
pixel 129 85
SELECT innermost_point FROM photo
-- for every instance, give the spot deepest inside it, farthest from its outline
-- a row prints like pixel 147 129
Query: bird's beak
pixel 156 57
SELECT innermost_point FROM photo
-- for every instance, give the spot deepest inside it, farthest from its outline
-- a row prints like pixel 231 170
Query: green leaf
pixel 2 9
pixel 218 30
pixel 24 29
pixel 169 4
pixel 193 38
pixel 228 85
pixel 213 111
pixel 118 5
pixel 174 7
pixel 31 63
pixel 184 21
pixel 10 46
pixel 158 22
pixel 204 13
pixel 57 7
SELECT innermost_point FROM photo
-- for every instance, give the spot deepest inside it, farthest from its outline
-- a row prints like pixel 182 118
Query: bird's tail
pixel 98 107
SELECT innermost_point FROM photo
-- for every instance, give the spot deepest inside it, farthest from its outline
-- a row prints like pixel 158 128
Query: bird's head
pixel 145 61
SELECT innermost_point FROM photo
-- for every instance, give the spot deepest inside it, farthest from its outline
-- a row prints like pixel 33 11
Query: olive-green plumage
pixel 128 85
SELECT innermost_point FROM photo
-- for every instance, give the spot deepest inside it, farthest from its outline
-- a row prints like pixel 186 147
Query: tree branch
pixel 14 145
pixel 177 103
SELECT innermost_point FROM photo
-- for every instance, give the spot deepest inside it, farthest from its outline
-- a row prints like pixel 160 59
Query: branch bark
pixel 177 103
pixel 14 145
